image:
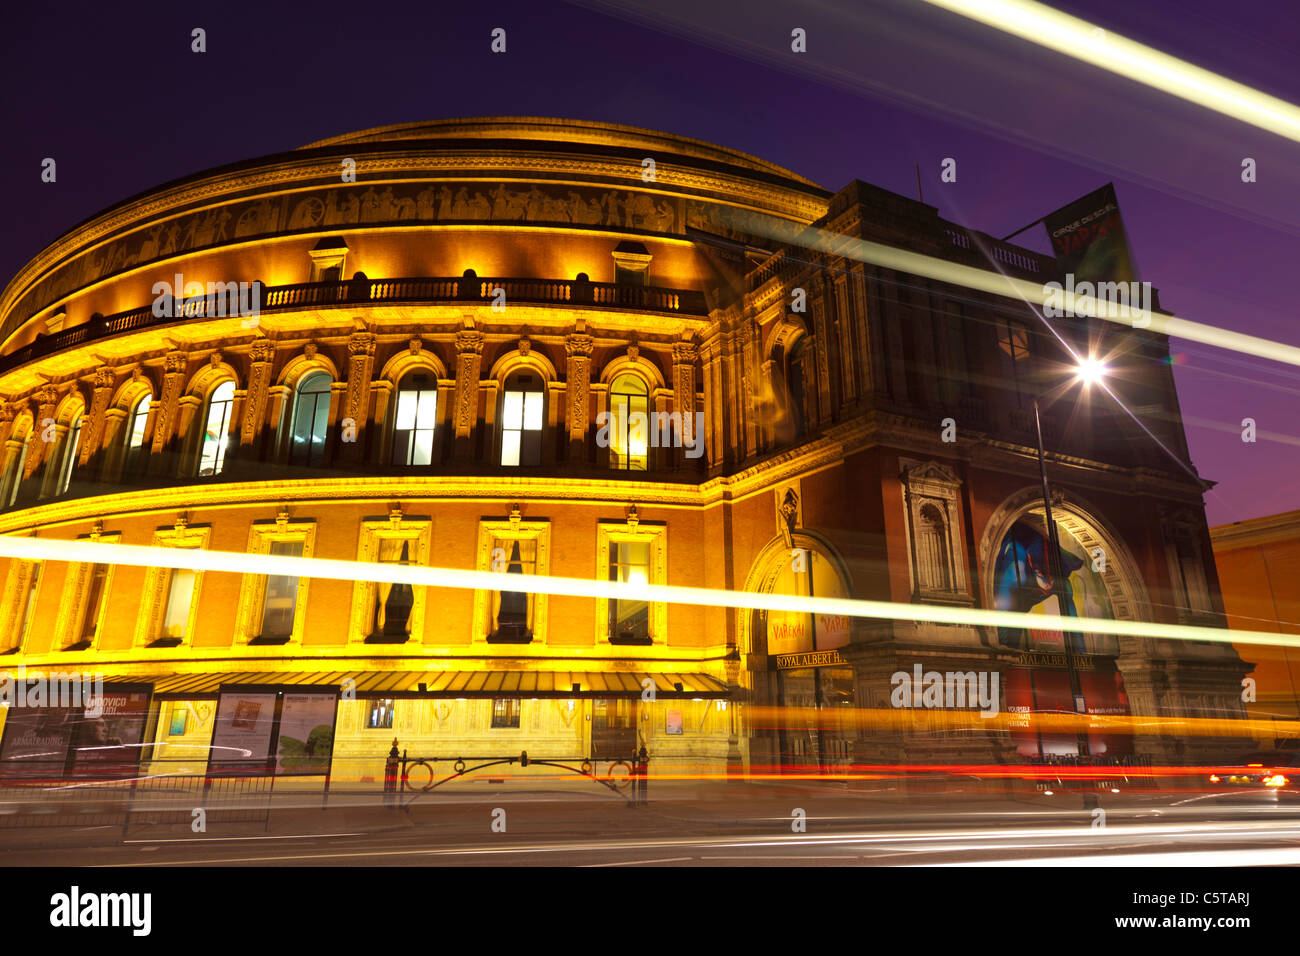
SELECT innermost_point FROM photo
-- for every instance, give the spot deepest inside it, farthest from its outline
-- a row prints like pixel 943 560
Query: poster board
pixel 274 730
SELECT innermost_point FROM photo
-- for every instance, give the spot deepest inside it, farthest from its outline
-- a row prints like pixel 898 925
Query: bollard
pixel 642 777
pixel 390 777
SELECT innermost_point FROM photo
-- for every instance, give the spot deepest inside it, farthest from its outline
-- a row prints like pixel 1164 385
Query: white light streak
pixel 199 559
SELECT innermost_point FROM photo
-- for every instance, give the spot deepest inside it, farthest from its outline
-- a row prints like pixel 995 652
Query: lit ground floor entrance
pixel 816 729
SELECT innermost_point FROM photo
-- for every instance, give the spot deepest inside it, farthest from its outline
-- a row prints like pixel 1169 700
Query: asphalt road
pixel 765 830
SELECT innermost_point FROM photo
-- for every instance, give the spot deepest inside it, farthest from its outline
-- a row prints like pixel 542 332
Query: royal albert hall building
pixel 446 310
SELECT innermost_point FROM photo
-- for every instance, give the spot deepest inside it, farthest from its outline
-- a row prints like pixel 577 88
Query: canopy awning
pixel 478 683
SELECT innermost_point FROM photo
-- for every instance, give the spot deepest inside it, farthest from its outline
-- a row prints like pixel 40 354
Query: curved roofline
pixel 558 129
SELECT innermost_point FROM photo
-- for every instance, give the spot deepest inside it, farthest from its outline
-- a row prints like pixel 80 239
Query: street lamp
pixel 1089 371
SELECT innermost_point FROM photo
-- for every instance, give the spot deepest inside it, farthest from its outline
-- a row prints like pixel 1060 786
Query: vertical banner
pixel 1089 240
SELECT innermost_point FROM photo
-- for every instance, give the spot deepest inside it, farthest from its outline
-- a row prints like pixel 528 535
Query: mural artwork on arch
pixel 1022 583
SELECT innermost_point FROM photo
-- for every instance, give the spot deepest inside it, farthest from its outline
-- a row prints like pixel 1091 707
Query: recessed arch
pixel 1129 597
pixel 407 361
pixel 519 359
pixel 206 380
pixel 768 566
pixel 303 365
pixel 638 365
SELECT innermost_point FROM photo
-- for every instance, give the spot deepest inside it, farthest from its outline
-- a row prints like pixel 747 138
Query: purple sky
pixel 122 105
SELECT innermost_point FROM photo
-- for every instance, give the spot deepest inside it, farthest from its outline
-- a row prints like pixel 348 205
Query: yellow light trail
pixel 199 559
pixel 1050 28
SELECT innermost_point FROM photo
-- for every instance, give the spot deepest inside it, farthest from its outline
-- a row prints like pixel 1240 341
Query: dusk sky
pixel 118 99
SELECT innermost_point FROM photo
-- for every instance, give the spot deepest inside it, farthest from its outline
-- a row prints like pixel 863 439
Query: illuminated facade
pixel 1258 562
pixel 439 341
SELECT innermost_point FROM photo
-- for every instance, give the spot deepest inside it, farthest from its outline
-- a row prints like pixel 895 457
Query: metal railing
pixel 625 778
pixel 361 290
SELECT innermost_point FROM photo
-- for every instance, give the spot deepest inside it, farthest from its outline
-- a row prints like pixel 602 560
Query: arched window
pixel 417 407
pixel 133 438
pixel 794 382
pixel 521 419
pixel 212 454
pixel 629 423
pixel 311 411
pixel 63 456
pixel 14 476
pixel 934 569
pixel 68 457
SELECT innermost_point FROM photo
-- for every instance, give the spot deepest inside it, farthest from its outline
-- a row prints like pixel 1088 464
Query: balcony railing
pixel 360 291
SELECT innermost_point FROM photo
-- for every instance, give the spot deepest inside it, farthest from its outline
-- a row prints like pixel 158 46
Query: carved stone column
pixel 361 365
pixel 685 355
pixel 469 360
pixel 711 355
pixel 92 430
pixel 577 377
pixel 169 402
pixel 260 356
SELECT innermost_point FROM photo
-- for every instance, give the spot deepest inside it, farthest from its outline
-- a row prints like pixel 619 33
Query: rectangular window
pixel 629 618
pixel 16 479
pixel 181 583
pixel 381 715
pixel 413 430
pixel 281 599
pixel 69 460
pixel 390 614
pixel 521 422
pixel 505 712
pixel 135 437
pixel 212 456
pixel 96 593
pixel 27 604
pixel 512 611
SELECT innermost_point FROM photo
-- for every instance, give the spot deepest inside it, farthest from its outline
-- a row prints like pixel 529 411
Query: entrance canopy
pixel 493 683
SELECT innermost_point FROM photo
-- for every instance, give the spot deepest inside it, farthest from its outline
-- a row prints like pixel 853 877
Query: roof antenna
pixel 919 197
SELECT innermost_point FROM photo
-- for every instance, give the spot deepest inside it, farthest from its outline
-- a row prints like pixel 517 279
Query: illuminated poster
pixel 241 736
pixel 1023 583
pixel 1046 691
pixel 306 741
pixel 792 632
pixel 55 743
pixel 37 741
pixel 109 744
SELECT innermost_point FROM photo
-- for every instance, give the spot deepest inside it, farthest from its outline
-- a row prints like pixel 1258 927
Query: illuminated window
pixel 311 410
pixel 633 553
pixel 505 712
pixel 629 618
pixel 212 455
pixel 180 588
pixel 512 611
pixel 1013 339
pixel 66 456
pixel 381 714
pixel 417 406
pixel 30 580
pixel 93 610
pixel 390 613
pixel 14 477
pixel 629 423
pixel 280 602
pixel 134 437
pixel 521 420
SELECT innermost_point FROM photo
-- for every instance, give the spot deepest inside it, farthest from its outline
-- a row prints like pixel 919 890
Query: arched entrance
pixel 1099 580
pixel 807 685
